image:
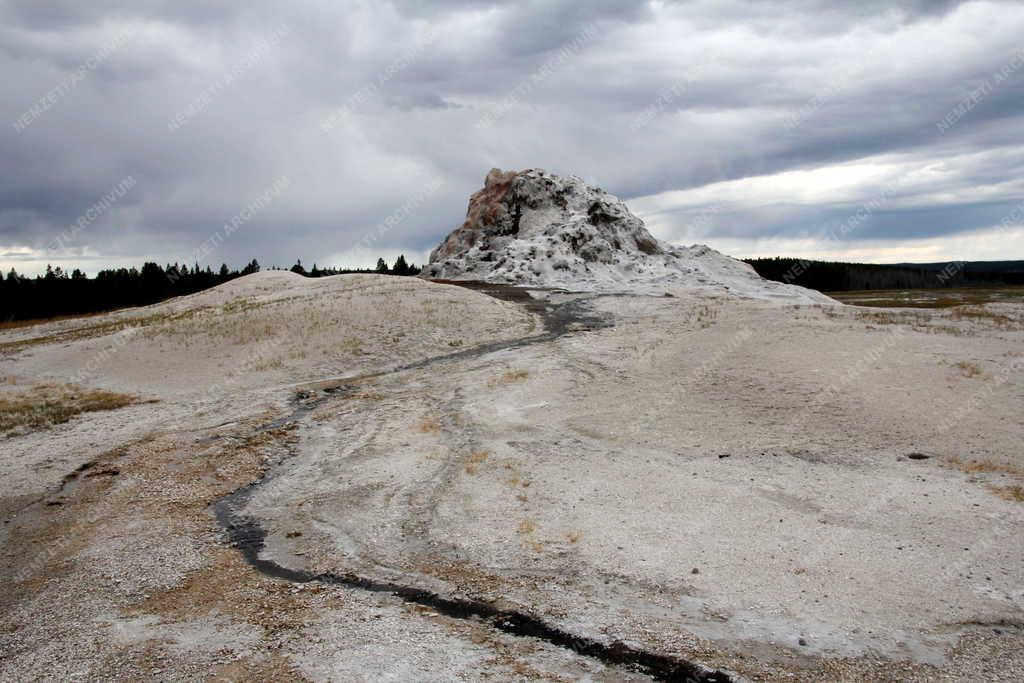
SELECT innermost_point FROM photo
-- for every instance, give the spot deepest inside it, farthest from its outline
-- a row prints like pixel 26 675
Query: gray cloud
pixel 757 65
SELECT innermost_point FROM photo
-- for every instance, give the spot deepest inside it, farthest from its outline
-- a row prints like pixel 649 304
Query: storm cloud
pixel 757 128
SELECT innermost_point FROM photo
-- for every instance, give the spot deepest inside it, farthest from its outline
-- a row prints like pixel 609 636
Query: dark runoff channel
pixel 249 537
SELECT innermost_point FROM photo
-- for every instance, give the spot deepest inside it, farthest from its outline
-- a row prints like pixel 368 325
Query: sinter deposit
pixel 534 228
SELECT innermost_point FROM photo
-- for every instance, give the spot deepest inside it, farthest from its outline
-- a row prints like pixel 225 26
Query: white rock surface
pixel 580 479
pixel 534 228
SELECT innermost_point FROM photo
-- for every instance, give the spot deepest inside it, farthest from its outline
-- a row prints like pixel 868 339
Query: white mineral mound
pixel 534 228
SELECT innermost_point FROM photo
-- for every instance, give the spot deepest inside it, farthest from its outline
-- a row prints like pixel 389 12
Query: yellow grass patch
pixel 981 466
pixel 48 405
pixel 1014 493
pixel 982 313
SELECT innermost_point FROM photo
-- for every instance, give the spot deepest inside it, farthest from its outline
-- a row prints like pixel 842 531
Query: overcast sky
pixel 137 130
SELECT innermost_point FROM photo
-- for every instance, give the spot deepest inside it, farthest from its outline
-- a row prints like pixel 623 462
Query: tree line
pixel 58 292
pixel 835 276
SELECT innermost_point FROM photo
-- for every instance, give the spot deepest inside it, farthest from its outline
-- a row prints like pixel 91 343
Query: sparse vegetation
pixel 49 405
pixel 706 316
pixel 509 377
pixel 353 322
pixel 984 314
pixel 930 298
pixel 879 317
pixel 949 321
pixel 1013 493
pixel 429 425
pixel 975 466
pixel 475 458
pixel 968 369
pixel 242 304
pixel 352 345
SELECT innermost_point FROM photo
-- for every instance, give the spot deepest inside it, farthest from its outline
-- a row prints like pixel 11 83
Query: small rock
pixel 695 571
pixel 802 642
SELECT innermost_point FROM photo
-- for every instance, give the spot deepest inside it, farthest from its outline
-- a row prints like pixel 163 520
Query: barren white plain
pixel 708 477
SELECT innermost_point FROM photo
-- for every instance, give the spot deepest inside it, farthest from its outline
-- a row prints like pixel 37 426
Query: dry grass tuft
pixel 1010 492
pixel 527 526
pixel 706 316
pixel 509 377
pixel 352 346
pixel 49 405
pixel 429 425
pixel 934 321
pixel 891 317
pixel 475 459
pixel 984 466
pixel 1013 493
pixel 981 313
pixel 969 369
pixel 366 395
pixel 85 332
